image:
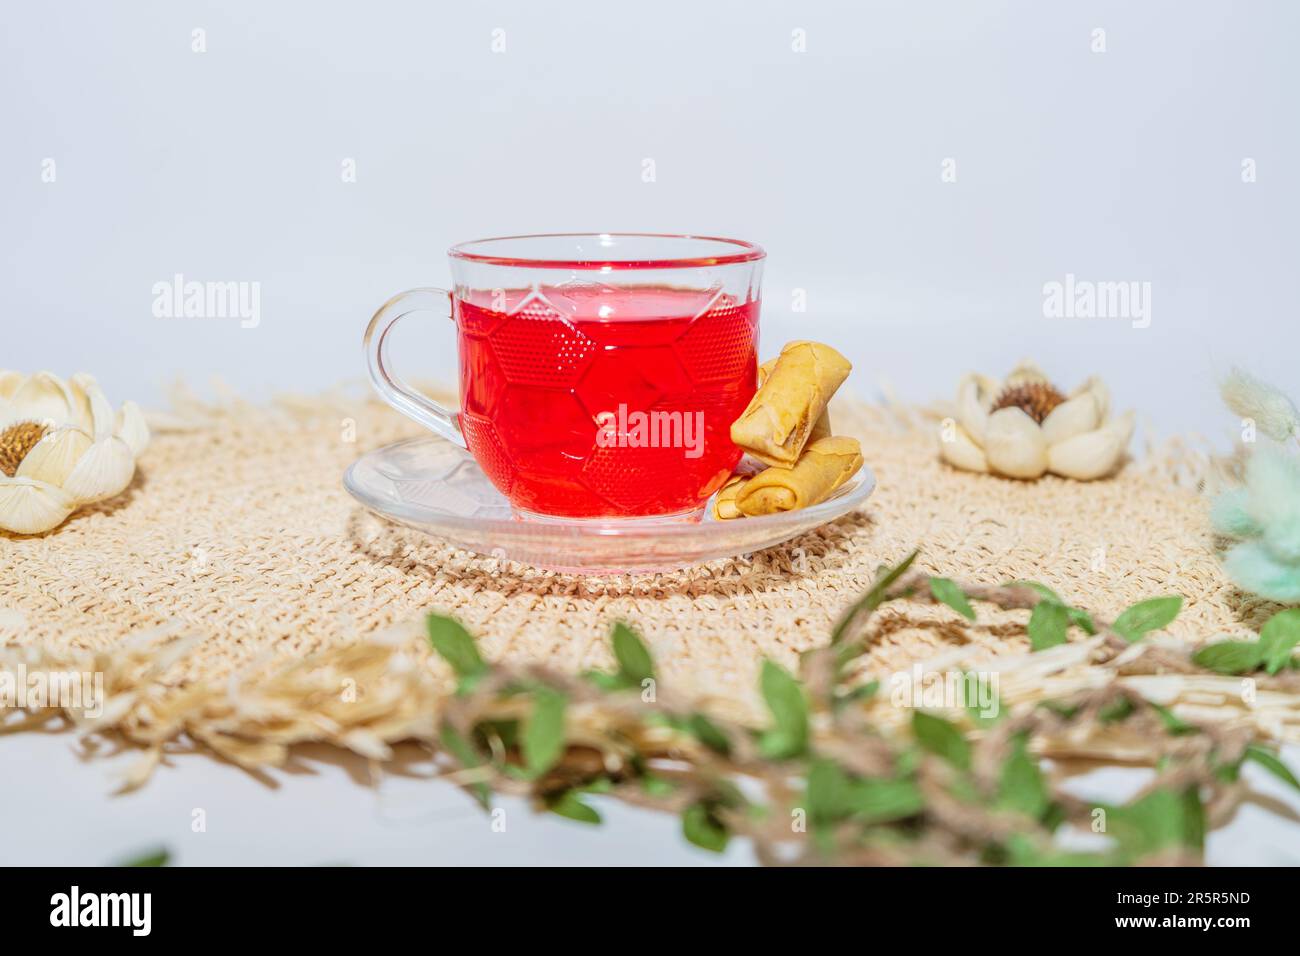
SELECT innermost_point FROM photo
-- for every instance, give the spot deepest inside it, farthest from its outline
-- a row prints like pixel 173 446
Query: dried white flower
pixel 1024 427
pixel 61 446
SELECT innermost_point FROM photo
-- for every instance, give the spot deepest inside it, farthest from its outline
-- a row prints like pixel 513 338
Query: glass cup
pixel 599 373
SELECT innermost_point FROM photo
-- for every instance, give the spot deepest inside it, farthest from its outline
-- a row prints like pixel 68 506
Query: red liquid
pixel 551 384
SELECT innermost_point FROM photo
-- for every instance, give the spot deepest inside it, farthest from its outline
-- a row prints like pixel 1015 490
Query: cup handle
pixel 387 383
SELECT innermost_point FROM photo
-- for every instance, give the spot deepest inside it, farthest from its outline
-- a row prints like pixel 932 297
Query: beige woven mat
pixel 238 552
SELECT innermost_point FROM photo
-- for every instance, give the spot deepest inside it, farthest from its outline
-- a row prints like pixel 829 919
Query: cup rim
pixel 746 252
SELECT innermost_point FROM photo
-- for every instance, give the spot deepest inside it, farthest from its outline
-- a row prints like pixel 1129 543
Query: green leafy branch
pixel 821 781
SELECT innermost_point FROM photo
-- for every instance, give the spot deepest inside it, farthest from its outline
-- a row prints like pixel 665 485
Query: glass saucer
pixel 431 485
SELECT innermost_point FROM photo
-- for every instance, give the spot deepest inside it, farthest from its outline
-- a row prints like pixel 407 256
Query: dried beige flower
pixel 61 447
pixel 1025 427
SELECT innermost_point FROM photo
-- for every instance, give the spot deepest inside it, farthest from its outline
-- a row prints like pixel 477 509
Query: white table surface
pixel 328 810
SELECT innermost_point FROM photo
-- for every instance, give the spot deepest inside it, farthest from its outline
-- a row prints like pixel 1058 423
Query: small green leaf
pixel 883 801
pixel 1117 710
pixel 950 594
pixel 982 707
pixel 872 599
pixel 976 713
pixel 700 827
pixel 159 857
pixel 964 789
pixel 1229 772
pixel 570 805
pixel 906 762
pixel 707 733
pixel 1173 723
pixel 634 661
pixel 1023 852
pixel 604 681
pixel 543 738
pixel 941 738
pixel 864 691
pixel 1161 819
pixel 1145 616
pixel 858 694
pixel 1278 638
pixel 827 792
pixel 726 794
pixel 455 645
pixel 1229 657
pixel 789 707
pixel 454 742
pixel 1270 762
pixel 658 787
pixel 1021 787
pixel 1048 624
pixel 1193 834
pixel 1080 618
pixel 1060 708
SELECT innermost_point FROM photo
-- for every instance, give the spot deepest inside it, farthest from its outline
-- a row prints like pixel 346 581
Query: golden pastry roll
pixel 779 420
pixel 822 427
pixel 825 465
pixel 724 505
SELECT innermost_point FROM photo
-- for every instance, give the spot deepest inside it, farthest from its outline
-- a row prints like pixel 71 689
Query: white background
pixel 226 165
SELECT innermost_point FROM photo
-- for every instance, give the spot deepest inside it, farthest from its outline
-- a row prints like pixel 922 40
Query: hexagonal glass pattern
pixel 585 400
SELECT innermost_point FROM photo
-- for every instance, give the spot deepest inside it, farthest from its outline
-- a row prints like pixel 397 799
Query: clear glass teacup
pixel 599 373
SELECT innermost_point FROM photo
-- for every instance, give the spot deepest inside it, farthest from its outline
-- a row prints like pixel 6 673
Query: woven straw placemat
pixel 235 593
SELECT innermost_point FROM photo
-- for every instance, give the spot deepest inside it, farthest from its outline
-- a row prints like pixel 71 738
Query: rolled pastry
pixel 724 505
pixel 825 465
pixel 783 412
pixel 822 427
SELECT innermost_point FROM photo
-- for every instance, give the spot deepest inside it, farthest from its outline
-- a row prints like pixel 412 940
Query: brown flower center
pixel 1035 399
pixel 16 441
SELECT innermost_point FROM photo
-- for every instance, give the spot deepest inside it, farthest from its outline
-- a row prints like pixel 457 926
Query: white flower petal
pixel 1100 394
pixel 92 406
pixel 1092 454
pixel 131 427
pixel 975 393
pixel 1014 444
pixel 1024 373
pixel 103 471
pixel 53 458
pixel 1074 416
pixel 28 506
pixel 962 452
pixel 9 382
pixel 83 411
pixel 44 398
